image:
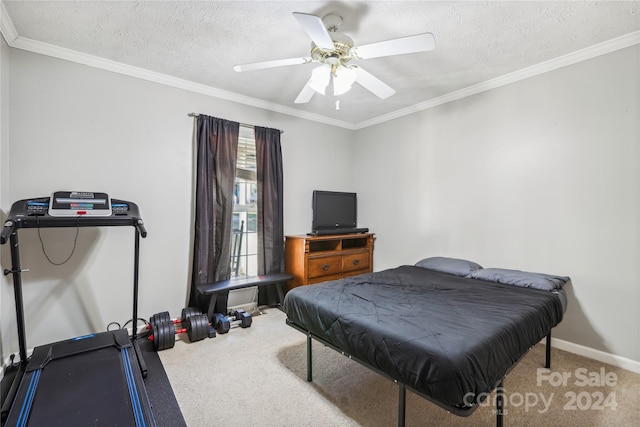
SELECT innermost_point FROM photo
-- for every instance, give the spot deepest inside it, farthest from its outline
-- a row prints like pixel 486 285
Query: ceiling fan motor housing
pixel 340 54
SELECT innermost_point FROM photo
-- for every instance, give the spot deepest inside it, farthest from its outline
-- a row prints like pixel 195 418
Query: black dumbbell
pixel 238 317
pixel 164 333
pixel 164 316
pixel 193 322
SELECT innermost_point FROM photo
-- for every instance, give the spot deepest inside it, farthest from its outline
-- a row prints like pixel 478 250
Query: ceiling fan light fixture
pixel 343 80
pixel 320 77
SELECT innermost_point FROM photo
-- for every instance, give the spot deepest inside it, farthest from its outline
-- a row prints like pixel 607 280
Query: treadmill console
pixel 41 207
pixel 75 203
pixel 71 209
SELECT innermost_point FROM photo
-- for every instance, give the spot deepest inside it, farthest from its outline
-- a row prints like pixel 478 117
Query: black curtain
pixel 217 150
pixel 270 210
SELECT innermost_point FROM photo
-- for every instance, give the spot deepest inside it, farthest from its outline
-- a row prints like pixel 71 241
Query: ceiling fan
pixel 333 51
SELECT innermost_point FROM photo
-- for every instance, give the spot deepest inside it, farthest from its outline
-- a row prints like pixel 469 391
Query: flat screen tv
pixel 334 211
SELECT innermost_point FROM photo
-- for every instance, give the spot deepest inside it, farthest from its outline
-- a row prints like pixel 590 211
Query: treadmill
pixel 96 379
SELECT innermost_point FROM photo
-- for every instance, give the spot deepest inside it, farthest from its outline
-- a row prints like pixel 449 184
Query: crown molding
pixel 609 46
pixel 164 79
pixel 6 26
pixel 23 43
pixel 14 40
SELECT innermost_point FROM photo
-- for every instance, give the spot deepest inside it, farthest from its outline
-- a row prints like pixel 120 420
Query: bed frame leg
pixel 309 360
pixel 500 404
pixel 402 404
pixel 547 363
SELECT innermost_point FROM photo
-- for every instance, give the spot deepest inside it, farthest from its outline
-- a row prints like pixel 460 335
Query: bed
pixel 447 329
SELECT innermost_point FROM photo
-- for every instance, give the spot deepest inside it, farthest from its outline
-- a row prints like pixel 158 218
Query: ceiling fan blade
pixel 373 84
pixel 314 27
pixel 305 94
pixel 271 64
pixel 399 46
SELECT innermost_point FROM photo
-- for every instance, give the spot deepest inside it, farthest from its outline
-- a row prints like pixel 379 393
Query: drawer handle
pixel 356 261
pixel 325 266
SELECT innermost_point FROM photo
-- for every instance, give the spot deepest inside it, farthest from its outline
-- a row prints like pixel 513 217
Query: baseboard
pixel 601 356
pixel 251 307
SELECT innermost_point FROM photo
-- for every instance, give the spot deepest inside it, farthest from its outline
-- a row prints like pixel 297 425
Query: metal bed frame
pixel 402 388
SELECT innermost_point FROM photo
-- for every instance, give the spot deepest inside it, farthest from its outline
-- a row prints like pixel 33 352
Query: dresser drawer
pixel 355 261
pixel 320 279
pixel 325 266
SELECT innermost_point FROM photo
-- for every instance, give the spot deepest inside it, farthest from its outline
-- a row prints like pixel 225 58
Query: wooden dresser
pixel 314 259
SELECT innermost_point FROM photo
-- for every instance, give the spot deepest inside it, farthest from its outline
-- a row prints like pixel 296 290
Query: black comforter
pixel 447 337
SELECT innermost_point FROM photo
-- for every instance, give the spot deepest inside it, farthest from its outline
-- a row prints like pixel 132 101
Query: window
pixel 244 239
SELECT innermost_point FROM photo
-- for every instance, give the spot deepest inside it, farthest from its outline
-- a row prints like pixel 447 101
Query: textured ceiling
pixel 200 41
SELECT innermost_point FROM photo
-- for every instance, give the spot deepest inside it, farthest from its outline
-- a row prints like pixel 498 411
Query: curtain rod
pixel 245 125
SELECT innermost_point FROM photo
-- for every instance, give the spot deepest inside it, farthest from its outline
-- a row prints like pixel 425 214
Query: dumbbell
pixel 163 331
pixel 164 316
pixel 238 317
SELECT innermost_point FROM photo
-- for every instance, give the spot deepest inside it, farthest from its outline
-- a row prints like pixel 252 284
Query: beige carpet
pixel 257 377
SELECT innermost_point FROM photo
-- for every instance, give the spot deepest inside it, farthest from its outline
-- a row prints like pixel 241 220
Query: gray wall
pixel 73 127
pixel 540 175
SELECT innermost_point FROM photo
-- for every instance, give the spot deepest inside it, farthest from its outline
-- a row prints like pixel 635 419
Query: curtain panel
pixel 270 210
pixel 217 147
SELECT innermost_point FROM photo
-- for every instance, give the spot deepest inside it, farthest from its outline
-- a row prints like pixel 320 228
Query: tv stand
pixel 313 259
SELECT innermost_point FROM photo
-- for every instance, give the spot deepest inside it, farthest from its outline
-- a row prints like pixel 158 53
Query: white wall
pixel 540 175
pixel 74 127
pixel 5 290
